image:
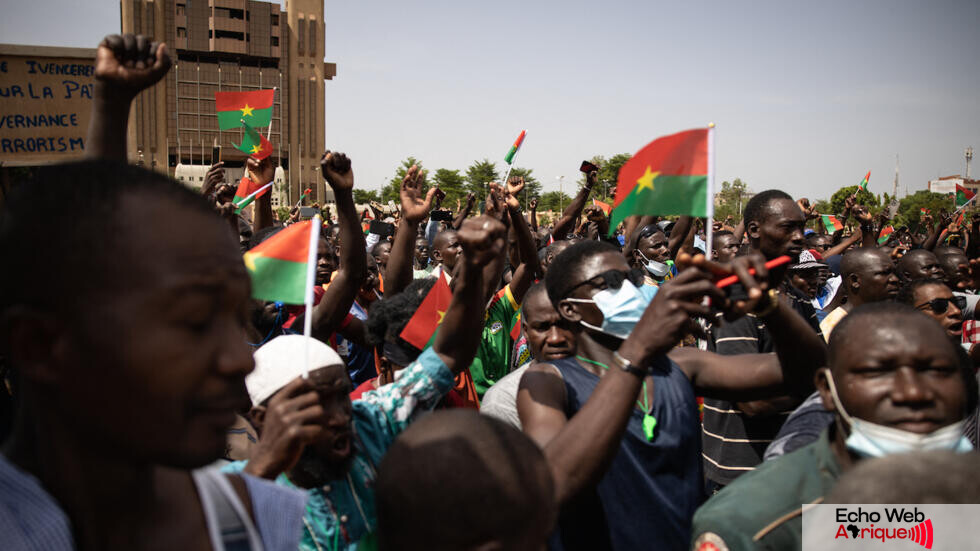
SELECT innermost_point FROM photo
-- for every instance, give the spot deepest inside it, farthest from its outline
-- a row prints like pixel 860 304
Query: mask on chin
pixel 621 309
pixel 656 269
pixel 869 439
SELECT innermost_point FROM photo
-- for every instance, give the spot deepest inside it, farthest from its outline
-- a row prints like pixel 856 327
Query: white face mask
pixel 872 440
pixel 657 269
pixel 621 309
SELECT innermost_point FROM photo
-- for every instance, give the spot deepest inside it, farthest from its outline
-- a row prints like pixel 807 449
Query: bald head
pixel 868 276
pixel 458 480
pixel 919 264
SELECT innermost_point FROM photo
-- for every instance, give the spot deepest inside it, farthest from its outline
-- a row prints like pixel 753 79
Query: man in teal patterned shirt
pixel 313 437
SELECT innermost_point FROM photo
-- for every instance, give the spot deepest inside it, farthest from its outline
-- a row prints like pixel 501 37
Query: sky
pixel 806 96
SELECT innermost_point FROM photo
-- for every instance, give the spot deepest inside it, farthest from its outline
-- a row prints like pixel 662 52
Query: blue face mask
pixel 873 440
pixel 621 309
pixel 657 269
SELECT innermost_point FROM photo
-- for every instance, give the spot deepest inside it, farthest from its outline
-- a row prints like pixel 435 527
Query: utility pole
pixel 969 157
pixel 561 180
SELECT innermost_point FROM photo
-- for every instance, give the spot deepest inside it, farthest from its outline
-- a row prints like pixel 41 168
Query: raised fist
pixel 131 63
pixel 336 170
pixel 482 238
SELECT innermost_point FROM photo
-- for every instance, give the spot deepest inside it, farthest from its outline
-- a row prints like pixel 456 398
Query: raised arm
pixel 262 172
pixel 461 216
pixel 124 66
pixel 679 235
pixel 566 224
pixel 529 267
pixel 339 296
pixel 844 244
pixel 532 215
pixel 936 231
pixel 483 239
pixel 415 207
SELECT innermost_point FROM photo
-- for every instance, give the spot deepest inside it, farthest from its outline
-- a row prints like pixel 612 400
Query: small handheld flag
pixel 963 195
pixel 831 223
pixel 668 176
pixel 886 232
pixel 278 266
pixel 421 328
pixel 606 207
pixel 864 183
pixel 248 190
pixel 254 144
pixel 251 197
pixel 509 157
pixel 923 211
pixel 254 107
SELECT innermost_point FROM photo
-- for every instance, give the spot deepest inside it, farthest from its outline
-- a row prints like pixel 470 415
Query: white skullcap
pixel 281 360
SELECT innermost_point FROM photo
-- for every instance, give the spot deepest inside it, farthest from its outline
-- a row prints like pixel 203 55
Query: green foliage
pixel 283 213
pixel 478 175
pixel 608 175
pixel 532 187
pixel 908 208
pixel 865 198
pixel 554 201
pixel 364 196
pixel 451 182
pixel 731 199
pixel 391 190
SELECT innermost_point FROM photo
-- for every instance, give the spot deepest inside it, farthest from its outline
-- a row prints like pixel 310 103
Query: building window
pixel 181 32
pixel 229 34
pixel 301 34
pixel 181 9
pixel 275 40
pixel 274 19
pixel 313 47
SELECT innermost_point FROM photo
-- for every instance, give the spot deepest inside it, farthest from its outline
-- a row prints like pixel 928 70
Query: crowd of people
pixel 585 389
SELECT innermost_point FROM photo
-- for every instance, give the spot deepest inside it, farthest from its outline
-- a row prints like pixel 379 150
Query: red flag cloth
pixel 427 318
pixel 247 187
pixel 606 207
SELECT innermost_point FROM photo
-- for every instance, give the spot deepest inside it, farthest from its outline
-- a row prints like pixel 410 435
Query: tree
pixel 478 175
pixel 554 201
pixel 909 208
pixel 532 187
pixel 391 191
pixel 608 175
pixel 730 200
pixel 865 198
pixel 451 182
pixel 364 196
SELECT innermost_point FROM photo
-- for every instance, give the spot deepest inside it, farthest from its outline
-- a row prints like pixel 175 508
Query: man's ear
pixel 568 311
pixel 435 254
pixel 37 345
pixel 752 229
pixel 820 381
pixel 854 281
pixel 257 416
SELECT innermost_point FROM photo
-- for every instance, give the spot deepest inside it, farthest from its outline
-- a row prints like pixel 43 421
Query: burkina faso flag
pixel 668 176
pixel 254 144
pixel 254 107
pixel 831 223
pixel 421 328
pixel 247 189
pixel 963 195
pixel 278 265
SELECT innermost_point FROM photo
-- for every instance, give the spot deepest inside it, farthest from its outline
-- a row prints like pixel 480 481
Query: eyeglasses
pixel 613 279
pixel 940 305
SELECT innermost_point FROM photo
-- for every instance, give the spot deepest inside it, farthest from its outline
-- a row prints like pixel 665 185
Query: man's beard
pixel 318 471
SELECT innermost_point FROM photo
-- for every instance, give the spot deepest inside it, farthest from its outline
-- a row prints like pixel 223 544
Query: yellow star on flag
pixel 256 149
pixel 247 111
pixel 646 181
pixel 249 259
pixel 441 315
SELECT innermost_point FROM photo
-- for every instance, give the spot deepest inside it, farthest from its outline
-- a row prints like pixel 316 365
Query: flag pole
pixel 710 198
pixel 315 224
pixel 268 133
pixel 251 197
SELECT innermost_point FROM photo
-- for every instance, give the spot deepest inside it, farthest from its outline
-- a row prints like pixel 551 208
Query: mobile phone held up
pixel 588 167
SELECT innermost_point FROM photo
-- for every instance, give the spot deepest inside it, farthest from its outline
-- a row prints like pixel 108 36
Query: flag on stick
pixel 421 328
pixel 864 183
pixel 278 266
pixel 251 197
pixel 254 144
pixel 923 211
pixel 885 234
pixel 831 223
pixel 668 176
pixel 963 195
pixel 606 207
pixel 254 107
pixel 246 189
pixel 509 157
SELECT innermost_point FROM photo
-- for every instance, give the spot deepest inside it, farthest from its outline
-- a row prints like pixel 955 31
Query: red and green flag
pixel 509 157
pixel 886 232
pixel 963 195
pixel 254 107
pixel 246 189
pixel 606 207
pixel 421 328
pixel 831 223
pixel 254 144
pixel 864 183
pixel 279 265
pixel 251 197
pixel 668 176
pixel 923 211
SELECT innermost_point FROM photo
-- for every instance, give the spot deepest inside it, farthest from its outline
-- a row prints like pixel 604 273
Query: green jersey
pixel 492 359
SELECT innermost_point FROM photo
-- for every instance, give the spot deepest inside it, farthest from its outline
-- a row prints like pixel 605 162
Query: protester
pixel 917 401
pixel 581 410
pixel 868 275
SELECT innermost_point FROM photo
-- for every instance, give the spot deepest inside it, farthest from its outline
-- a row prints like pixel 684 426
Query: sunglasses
pixel 940 305
pixel 613 279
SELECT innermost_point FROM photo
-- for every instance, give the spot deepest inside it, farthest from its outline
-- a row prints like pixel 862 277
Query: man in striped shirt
pixel 735 435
